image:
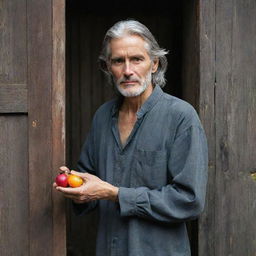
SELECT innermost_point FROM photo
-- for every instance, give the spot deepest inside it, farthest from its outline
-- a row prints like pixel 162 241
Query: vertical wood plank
pixel 58 123
pixel 13 54
pixel 14 194
pixel 14 224
pixel 40 126
pixel 228 51
pixel 235 127
pixel 207 225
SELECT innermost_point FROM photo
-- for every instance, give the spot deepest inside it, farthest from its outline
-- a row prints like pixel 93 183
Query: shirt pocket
pixel 149 169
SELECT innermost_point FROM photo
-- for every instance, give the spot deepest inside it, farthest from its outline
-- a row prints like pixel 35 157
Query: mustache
pixel 129 79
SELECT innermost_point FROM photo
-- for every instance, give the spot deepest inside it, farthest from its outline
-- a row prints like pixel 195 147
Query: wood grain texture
pixel 207 225
pixel 13 98
pixel 14 191
pixel 32 81
pixel 228 96
pixel 13 57
pixel 58 123
pixel 13 54
pixel 40 126
pixel 14 194
pixel 235 127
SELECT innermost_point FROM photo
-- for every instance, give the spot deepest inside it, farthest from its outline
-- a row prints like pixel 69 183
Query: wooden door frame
pixel 206 109
pixel 46 124
pixel 58 120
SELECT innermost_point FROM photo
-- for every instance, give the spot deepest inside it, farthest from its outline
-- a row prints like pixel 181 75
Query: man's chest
pixel 125 126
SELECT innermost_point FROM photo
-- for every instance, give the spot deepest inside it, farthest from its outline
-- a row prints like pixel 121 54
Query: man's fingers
pixel 73 193
pixel 79 174
pixel 69 191
pixel 64 169
pixel 83 175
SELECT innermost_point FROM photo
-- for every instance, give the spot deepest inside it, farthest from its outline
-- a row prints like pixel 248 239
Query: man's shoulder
pixel 104 111
pixel 177 105
pixel 106 107
pixel 181 110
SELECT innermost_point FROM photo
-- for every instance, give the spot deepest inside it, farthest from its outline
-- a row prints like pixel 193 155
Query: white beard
pixel 139 90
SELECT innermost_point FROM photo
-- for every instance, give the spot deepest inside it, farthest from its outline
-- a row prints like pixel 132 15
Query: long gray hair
pixel 133 27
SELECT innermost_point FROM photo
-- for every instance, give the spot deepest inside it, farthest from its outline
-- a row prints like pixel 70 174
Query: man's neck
pixel 131 105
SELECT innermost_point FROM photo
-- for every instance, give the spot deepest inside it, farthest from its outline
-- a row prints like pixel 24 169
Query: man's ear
pixel 155 65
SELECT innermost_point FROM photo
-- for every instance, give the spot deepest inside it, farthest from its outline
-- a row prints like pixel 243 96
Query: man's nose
pixel 128 69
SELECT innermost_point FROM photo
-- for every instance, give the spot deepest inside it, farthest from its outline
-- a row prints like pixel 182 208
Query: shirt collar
pixel 147 105
pixel 150 101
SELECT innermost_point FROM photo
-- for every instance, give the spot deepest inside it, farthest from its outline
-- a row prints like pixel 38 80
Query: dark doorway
pixel 86 25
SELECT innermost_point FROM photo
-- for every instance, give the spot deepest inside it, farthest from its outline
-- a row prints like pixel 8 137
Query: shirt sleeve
pixel 86 164
pixel 182 199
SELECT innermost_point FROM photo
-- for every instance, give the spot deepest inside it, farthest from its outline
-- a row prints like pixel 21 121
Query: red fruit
pixel 62 180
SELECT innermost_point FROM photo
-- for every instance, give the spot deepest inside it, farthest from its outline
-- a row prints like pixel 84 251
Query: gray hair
pixel 133 27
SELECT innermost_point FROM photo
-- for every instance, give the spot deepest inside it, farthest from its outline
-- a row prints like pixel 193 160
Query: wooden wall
pixel 32 111
pixel 14 206
pixel 228 108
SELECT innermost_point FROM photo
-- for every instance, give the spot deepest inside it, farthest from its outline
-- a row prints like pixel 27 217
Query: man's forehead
pixel 128 44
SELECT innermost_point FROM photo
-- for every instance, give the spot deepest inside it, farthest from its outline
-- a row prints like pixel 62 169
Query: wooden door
pixel 32 128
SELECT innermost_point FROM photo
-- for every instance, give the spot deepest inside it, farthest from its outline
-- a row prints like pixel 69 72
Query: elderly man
pixel 144 161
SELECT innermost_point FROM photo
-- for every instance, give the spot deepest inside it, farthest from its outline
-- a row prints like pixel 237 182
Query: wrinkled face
pixel 130 65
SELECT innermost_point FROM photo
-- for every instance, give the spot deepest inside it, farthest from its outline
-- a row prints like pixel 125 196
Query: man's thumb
pixel 79 174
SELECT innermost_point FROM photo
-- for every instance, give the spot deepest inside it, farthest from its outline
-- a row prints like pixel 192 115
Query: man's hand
pixel 93 188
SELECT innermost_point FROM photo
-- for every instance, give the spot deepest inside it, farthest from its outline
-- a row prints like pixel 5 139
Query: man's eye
pixel 117 61
pixel 136 59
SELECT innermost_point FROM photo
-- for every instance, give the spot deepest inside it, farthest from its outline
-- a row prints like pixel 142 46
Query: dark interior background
pixel 175 29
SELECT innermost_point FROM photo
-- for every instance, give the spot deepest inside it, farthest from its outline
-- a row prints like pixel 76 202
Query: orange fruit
pixel 74 181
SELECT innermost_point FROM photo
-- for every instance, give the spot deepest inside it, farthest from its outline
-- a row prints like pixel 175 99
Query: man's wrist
pixel 113 193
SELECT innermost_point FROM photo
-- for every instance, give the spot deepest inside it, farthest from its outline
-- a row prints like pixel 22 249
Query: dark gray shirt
pixel 161 173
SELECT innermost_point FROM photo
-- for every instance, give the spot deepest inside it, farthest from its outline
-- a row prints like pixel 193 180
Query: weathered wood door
pixel 228 110
pixel 32 129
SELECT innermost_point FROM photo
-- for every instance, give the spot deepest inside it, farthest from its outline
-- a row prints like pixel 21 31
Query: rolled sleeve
pixel 127 201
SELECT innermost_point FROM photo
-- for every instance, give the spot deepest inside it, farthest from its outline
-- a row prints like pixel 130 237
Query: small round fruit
pixel 74 181
pixel 62 180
